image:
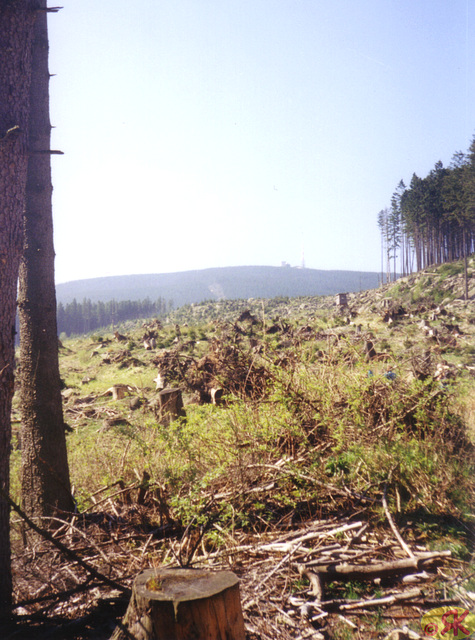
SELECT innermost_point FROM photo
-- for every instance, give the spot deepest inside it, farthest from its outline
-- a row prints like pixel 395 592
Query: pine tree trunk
pixel 465 267
pixel 45 472
pixel 16 25
pixel 183 604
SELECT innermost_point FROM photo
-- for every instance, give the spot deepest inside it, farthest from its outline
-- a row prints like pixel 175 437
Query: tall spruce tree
pixel 45 485
pixel 16 28
pixel 395 238
pixel 383 223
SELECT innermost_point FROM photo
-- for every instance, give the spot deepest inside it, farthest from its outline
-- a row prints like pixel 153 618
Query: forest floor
pixel 334 474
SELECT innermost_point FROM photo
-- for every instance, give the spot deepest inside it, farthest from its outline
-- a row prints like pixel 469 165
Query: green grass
pixel 451 269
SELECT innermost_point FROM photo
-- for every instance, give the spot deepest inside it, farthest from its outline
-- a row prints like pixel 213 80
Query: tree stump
pixel 370 350
pixel 119 391
pixel 171 406
pixel 183 604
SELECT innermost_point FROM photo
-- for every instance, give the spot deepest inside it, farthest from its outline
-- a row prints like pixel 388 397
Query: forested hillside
pixel 231 283
pixel 87 305
pixel 432 220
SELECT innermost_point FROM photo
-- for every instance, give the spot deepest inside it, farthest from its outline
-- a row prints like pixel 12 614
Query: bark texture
pixel 45 473
pixel 16 25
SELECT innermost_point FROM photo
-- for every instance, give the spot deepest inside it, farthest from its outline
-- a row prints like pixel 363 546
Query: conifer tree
pixel 45 473
pixel 16 28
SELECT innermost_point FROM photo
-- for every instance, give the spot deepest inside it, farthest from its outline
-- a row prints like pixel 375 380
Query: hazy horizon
pixel 244 266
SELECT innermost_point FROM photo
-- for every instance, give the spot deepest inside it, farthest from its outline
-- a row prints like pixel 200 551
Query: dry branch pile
pixel 294 577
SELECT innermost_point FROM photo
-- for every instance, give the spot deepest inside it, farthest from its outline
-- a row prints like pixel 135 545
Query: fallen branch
pixel 376 602
pixel 285 547
pixel 60 595
pixel 354 571
pixel 315 581
pixel 391 521
pixel 65 550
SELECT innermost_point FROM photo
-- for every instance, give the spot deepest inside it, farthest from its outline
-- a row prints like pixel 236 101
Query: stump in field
pixel 171 406
pixel 183 604
pixel 370 350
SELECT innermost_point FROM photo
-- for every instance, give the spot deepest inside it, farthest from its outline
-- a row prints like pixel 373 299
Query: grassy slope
pixel 300 393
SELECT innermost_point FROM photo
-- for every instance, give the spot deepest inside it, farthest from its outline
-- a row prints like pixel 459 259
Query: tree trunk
pixel 45 474
pixel 16 26
pixel 465 267
pixel 183 604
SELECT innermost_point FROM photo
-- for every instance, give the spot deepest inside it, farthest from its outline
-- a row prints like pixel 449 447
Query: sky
pixel 214 133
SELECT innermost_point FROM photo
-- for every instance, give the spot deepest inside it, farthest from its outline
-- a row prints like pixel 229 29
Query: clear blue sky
pixel 203 133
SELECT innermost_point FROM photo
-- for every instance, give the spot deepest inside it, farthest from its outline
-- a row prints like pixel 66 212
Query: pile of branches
pixel 238 371
pixel 326 556
pixel 294 572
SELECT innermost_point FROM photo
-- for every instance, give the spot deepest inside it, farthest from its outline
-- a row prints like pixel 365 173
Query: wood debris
pixel 295 580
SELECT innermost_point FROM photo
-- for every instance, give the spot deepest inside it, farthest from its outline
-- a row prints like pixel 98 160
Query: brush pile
pixel 300 578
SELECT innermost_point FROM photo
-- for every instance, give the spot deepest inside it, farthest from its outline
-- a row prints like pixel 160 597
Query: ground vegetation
pixel 333 473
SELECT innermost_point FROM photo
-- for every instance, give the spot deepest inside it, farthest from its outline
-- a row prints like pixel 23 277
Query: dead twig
pixel 65 550
pixel 394 529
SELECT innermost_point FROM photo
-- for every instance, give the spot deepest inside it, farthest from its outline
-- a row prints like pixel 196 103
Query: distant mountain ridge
pixel 232 283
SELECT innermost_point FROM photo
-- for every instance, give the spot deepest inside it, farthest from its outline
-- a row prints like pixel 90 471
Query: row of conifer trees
pixel 432 220
pixel 82 317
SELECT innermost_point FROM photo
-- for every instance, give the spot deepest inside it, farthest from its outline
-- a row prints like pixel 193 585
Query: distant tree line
pixel 82 317
pixel 431 221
